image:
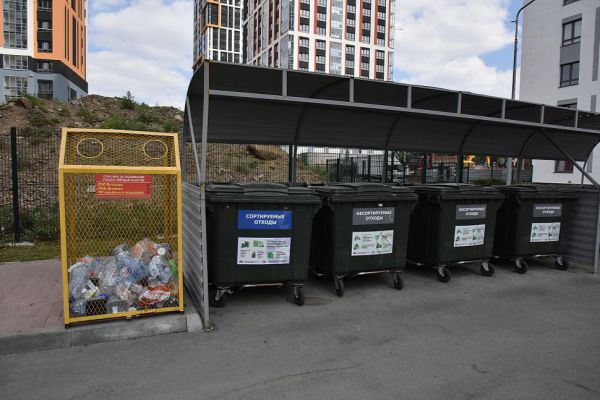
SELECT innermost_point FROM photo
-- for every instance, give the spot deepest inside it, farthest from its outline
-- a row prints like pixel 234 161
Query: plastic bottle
pixel 79 275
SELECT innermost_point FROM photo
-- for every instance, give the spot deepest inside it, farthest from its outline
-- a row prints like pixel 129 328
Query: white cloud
pixel 144 47
pixel 440 43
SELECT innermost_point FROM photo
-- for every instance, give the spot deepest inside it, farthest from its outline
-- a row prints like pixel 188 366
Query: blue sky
pixel 145 46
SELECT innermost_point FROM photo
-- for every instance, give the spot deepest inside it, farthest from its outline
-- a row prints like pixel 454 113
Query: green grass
pixel 39 251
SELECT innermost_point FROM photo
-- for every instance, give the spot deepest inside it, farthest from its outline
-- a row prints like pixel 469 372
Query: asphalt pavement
pixel 511 336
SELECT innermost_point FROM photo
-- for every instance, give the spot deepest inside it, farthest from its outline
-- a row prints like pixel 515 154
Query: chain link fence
pixel 29 203
pixel 37 153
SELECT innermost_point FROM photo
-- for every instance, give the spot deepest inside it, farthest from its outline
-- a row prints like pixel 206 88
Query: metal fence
pixel 29 185
pixel 35 215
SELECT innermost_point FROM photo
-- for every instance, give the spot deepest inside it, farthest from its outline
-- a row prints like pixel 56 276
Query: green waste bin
pixel 258 235
pixel 361 229
pixel 453 224
pixel 533 222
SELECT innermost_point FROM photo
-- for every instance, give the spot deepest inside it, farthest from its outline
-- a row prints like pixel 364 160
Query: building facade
pixel 343 37
pixel 560 65
pixel 43 49
pixel 218 31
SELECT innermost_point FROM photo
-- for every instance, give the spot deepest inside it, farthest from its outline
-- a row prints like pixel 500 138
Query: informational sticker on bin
pixel 123 187
pixel 372 243
pixel 264 219
pixel 257 251
pixel 469 235
pixel 545 232
pixel 373 216
pixel 471 211
pixel 547 210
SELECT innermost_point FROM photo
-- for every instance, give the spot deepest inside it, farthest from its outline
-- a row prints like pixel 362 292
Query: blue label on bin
pixel 264 219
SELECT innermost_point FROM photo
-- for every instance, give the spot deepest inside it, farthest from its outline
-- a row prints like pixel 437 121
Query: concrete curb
pixel 101 332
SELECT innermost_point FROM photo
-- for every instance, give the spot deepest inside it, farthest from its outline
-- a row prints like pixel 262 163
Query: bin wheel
pixel 443 274
pixel 398 282
pixel 339 286
pixel 487 269
pixel 521 266
pixel 298 292
pixel 562 263
pixel 220 302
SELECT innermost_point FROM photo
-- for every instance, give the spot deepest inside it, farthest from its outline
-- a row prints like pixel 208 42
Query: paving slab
pixel 31 314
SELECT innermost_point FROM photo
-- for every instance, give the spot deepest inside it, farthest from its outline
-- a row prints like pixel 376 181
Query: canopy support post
pixel 597 185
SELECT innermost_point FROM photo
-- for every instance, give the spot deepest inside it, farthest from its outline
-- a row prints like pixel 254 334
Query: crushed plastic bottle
pixel 108 276
pixel 116 305
pixel 143 250
pixel 79 275
pixel 130 269
pixel 122 248
pixel 78 307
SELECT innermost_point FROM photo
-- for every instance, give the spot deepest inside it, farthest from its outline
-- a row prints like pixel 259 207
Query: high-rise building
pixel 344 37
pixel 43 49
pixel 560 65
pixel 218 31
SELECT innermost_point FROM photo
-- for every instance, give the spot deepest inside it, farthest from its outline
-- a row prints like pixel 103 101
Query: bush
pixel 118 122
pixel 128 101
pixel 172 126
pixel 87 116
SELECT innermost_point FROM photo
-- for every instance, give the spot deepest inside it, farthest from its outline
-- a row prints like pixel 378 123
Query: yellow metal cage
pixel 120 219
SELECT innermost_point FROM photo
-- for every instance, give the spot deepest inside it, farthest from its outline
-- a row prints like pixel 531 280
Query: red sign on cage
pixel 123 187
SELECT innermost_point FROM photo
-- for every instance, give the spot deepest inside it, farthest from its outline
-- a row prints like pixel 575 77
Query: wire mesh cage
pixel 120 215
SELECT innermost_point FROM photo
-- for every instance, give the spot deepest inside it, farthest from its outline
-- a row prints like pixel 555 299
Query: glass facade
pixel 14 24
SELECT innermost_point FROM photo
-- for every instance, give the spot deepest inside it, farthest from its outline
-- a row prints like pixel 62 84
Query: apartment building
pixel 218 31
pixel 43 49
pixel 560 65
pixel 343 37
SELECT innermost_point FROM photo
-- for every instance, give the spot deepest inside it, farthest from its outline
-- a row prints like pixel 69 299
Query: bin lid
pixel 458 191
pixel 376 191
pixel 265 191
pixel 539 191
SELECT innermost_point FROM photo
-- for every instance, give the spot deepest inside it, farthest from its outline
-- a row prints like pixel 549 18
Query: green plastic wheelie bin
pixel 361 229
pixel 258 235
pixel 453 224
pixel 533 222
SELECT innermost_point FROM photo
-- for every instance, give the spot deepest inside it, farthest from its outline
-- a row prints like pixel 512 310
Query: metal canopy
pixel 250 104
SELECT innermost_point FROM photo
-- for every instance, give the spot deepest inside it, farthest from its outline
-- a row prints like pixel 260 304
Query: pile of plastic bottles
pixel 137 278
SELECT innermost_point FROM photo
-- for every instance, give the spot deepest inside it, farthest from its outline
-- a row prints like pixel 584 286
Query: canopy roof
pixel 250 104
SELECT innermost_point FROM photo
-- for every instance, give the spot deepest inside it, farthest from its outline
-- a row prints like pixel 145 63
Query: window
pixel 366 12
pixel 44 66
pixel 569 74
pixel 351 22
pixel 321 17
pixel 379 54
pixel 320 45
pixel 567 2
pixel 15 62
pixel 350 63
pixel 304 28
pixel 45 89
pixel 351 9
pixel 45 4
pixel 365 52
pixel 381 15
pixel 14 24
pixel 305 13
pixel 364 66
pixel 563 167
pixel 303 56
pixel 571 32
pixel 366 39
pixel 321 30
pixel 45 26
pixel 320 59
pixel 350 49
pixel 303 42
pixel 14 87
pixel 572 106
pixel 44 47
pixel 349 36
pixel 366 25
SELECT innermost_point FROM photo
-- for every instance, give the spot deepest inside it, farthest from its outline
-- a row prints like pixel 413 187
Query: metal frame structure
pixel 65 169
pixel 230 103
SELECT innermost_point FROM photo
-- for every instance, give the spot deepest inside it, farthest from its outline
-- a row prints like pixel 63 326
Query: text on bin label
pixel 264 219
